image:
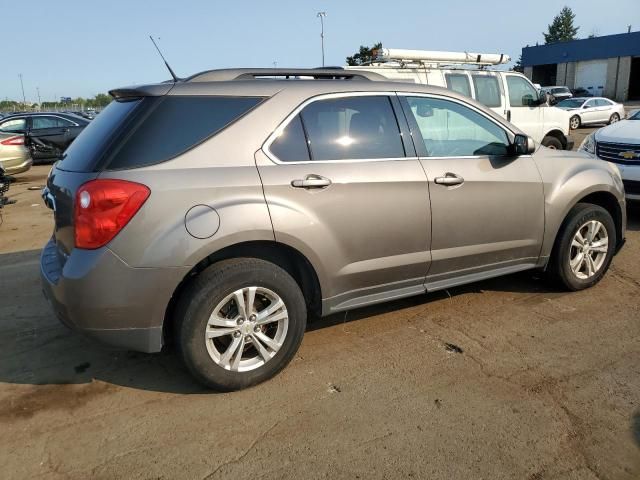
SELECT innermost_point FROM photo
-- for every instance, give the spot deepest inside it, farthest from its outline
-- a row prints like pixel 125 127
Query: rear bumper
pixel 14 167
pixel 96 293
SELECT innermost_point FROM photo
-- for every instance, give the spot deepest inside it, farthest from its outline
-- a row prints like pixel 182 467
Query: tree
pixel 562 29
pixel 364 55
pixel 517 67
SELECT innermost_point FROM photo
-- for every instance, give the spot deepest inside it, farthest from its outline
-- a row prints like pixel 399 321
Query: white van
pixel 509 94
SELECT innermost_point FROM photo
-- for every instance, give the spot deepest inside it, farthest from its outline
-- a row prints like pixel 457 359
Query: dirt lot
pixel 535 384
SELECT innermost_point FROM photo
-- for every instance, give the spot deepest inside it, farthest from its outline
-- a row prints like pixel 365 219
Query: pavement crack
pixel 243 455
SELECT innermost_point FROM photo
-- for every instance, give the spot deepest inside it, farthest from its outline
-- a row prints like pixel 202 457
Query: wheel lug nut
pixel 240 321
pixel 253 318
pixel 256 328
pixel 236 334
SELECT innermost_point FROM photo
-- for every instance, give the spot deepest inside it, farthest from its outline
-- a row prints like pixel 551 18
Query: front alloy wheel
pixel 589 249
pixel 574 122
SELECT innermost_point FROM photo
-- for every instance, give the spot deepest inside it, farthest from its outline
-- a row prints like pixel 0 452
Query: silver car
pixel 285 193
pixel 15 157
pixel 589 110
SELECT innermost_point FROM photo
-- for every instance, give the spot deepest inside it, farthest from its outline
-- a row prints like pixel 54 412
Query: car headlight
pixel 589 144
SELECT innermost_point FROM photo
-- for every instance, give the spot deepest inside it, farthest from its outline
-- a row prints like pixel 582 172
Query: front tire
pixel 575 122
pixel 552 143
pixel 584 247
pixel 239 323
pixel 614 118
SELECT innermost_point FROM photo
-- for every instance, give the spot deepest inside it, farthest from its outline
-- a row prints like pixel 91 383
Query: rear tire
pixel 577 264
pixel 575 122
pixel 216 329
pixel 552 143
pixel 614 118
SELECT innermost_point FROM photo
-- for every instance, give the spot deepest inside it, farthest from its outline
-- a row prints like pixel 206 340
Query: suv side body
pixel 382 228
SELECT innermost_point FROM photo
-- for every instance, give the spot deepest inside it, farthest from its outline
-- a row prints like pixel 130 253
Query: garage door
pixel 592 75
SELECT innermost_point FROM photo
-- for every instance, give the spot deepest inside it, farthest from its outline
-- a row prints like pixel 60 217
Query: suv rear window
pixel 151 130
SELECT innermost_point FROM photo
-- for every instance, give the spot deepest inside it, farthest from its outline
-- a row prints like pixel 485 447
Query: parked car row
pixel 46 135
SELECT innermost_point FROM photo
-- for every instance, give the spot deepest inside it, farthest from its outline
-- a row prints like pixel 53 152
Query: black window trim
pixel 327 96
pixel 417 135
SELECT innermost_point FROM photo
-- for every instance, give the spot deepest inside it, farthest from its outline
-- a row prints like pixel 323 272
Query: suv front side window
pixel 450 129
pixel 521 92
pixel 359 127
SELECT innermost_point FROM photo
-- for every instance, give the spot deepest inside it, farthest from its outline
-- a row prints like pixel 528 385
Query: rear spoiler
pixel 152 90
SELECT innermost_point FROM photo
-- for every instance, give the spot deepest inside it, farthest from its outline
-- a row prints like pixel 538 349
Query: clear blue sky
pixel 80 47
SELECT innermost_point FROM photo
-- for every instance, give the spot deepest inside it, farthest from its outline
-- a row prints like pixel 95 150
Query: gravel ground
pixel 507 378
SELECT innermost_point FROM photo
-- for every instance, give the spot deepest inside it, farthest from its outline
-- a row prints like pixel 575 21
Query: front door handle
pixel 449 179
pixel 311 181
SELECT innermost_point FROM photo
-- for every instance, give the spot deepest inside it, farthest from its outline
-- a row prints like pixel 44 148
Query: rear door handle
pixel 449 179
pixel 311 181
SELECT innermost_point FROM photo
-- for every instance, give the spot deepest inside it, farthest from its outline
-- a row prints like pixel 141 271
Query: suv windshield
pixel 570 103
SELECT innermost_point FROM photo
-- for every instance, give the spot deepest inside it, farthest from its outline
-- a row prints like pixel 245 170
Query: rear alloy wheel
pixel 574 122
pixel 552 142
pixel 239 323
pixel 584 248
pixel 614 118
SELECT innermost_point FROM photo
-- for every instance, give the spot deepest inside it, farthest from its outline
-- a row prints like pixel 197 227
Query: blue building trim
pixel 620 45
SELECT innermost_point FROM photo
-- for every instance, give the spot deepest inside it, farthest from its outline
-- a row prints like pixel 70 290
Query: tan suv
pixel 220 210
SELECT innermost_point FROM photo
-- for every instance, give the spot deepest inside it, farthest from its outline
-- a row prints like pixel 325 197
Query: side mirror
pixel 542 97
pixel 522 145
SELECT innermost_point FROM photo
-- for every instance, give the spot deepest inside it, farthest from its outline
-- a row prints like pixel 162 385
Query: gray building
pixel 608 66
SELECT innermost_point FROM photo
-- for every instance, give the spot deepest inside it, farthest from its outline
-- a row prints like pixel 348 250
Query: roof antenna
pixel 175 77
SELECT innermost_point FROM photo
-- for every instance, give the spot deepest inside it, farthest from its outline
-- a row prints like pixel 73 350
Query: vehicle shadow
pixel 635 427
pixel 633 216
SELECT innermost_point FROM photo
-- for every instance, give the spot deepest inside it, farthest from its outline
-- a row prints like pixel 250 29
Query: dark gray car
pixel 219 211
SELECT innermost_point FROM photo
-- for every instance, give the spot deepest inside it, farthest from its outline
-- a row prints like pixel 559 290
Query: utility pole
pixel 628 28
pixel 24 100
pixel 39 101
pixel 321 16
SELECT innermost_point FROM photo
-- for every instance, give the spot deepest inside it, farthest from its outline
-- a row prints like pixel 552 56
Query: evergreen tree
pixel 562 29
pixel 364 55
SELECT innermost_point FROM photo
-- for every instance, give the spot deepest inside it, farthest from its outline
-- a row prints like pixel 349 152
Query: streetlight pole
pixel 39 101
pixel 321 16
pixel 24 100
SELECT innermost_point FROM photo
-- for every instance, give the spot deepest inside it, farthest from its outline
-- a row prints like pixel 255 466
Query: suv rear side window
pixel 458 82
pixel 151 130
pixel 175 125
pixel 487 90
pixel 352 128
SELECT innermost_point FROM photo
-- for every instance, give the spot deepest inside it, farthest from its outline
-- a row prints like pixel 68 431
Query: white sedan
pixel 591 110
pixel 620 144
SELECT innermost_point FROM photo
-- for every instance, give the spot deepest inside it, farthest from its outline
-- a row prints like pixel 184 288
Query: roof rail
pixel 333 73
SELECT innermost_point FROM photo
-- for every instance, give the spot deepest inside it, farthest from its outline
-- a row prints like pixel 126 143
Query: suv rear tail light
pixel 103 208
pixel 17 140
